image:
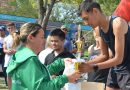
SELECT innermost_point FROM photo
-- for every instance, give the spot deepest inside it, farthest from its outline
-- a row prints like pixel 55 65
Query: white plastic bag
pixel 69 69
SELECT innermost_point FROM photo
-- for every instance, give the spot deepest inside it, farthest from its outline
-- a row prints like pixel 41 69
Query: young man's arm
pixel 120 28
pixel 104 55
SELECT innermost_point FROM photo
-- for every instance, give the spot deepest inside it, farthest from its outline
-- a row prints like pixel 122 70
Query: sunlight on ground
pixel 2 84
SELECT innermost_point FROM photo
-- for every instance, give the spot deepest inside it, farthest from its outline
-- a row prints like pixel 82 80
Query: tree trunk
pixel 44 12
pixel 41 11
pixel 48 12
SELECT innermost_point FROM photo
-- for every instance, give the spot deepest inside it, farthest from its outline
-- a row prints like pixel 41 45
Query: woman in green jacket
pixel 26 71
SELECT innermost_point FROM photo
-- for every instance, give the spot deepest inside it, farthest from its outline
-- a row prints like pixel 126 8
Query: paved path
pixel 2 84
pixel 2 81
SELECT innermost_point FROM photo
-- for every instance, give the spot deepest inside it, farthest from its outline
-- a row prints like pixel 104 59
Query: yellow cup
pixel 76 65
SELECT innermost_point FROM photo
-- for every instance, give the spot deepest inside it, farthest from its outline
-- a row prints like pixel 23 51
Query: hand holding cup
pixel 85 67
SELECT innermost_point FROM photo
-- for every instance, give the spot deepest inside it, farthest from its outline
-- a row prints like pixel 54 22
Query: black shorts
pixel 118 80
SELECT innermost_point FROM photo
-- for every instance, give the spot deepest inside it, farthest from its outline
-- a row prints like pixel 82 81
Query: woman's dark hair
pixel 88 6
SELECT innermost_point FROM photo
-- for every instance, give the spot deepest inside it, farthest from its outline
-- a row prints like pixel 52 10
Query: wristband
pixel 95 67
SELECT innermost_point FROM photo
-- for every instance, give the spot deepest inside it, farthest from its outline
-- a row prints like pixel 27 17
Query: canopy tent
pixel 75 26
pixel 18 20
pixel 83 27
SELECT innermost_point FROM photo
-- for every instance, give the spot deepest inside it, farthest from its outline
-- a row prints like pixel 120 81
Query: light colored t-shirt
pixel 42 55
pixel 8 41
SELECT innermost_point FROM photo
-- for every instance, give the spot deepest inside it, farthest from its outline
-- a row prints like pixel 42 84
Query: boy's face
pixel 2 33
pixel 56 43
pixel 11 28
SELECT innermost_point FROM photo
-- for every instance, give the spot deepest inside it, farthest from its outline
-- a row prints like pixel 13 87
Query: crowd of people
pixel 33 63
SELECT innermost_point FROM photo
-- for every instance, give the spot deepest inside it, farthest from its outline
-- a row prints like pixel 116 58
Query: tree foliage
pixel 42 9
pixel 73 2
pixel 21 8
pixel 108 6
pixel 66 13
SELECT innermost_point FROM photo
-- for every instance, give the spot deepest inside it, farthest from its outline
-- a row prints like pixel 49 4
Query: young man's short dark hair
pixel 58 32
pixel 88 6
pixel 10 24
pixel 2 28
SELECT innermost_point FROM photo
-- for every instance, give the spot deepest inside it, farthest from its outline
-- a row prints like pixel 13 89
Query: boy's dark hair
pixel 10 24
pixel 2 28
pixel 88 6
pixel 58 32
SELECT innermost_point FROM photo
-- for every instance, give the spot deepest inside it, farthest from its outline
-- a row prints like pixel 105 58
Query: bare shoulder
pixel 120 26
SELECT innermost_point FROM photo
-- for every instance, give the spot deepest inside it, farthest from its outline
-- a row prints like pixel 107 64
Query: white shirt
pixel 8 41
pixel 42 55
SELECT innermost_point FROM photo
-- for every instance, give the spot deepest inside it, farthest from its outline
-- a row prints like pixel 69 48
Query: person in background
pixel 48 49
pixel 57 39
pixel 123 10
pixel 67 44
pixel 25 62
pixel 94 51
pixel 7 46
pixel 115 35
pixel 2 36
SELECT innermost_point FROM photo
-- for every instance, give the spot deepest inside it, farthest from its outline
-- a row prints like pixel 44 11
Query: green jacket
pixel 28 73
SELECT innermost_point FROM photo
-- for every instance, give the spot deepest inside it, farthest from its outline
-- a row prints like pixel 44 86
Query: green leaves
pixel 76 2
pixel 12 3
pixel 29 8
pixel 108 6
